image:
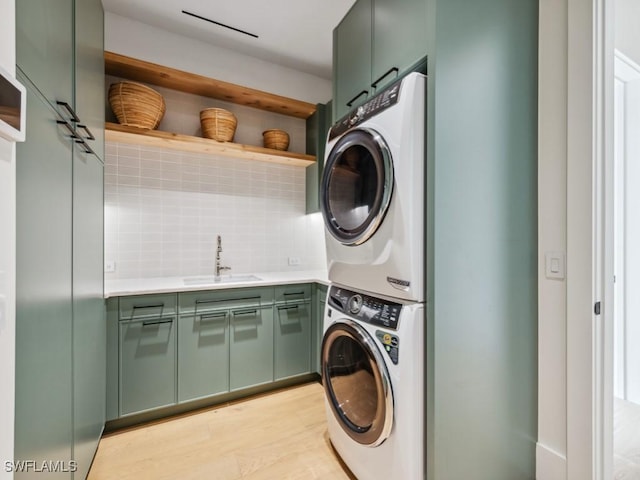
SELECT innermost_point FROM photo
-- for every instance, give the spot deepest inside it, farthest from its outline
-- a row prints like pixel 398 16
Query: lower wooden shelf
pixel 186 143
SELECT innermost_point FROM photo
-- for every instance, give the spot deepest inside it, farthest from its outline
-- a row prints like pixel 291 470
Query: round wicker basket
pixel 275 139
pixel 136 105
pixel 218 124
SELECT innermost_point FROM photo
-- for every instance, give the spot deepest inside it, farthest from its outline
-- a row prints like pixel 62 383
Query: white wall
pixel 7 254
pixel 552 221
pixel 627 34
pixel 139 40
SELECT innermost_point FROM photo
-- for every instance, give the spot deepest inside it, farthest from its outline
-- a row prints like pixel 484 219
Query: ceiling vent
pixel 220 24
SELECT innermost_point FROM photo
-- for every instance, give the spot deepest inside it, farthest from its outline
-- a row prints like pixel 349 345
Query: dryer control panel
pixel 385 99
pixel 365 308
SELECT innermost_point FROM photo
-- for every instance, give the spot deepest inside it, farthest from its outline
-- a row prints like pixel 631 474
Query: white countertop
pixel 139 286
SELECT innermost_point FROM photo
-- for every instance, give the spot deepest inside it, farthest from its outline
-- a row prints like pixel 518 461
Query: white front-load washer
pixel 372 193
pixel 372 374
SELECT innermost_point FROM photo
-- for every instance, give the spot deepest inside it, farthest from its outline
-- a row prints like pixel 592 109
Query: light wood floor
pixel 626 440
pixel 281 435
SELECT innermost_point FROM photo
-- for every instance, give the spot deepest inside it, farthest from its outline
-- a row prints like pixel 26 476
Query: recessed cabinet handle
pixel 86 129
pixel 293 293
pixel 245 312
pixel 67 107
pixel 86 147
pixel 350 102
pixel 157 322
pixel 212 317
pixel 384 75
pixel 288 307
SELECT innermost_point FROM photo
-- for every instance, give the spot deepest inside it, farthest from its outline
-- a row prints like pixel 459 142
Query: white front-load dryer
pixel 373 378
pixel 372 193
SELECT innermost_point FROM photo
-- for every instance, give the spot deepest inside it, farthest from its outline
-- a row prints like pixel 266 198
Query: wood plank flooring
pixel 626 440
pixel 281 435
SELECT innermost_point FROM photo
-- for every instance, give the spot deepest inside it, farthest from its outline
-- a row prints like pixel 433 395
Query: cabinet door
pixel 352 58
pixel 292 340
pixel 147 364
pixel 44 46
pixel 251 348
pixel 43 412
pixel 316 338
pixel 203 355
pixel 89 74
pixel 89 327
pixel 399 38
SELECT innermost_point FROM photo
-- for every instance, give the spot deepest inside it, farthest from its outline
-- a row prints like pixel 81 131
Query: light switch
pixel 554 265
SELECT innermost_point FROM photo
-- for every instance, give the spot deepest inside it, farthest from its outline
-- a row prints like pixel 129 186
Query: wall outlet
pixel 109 266
pixel 294 261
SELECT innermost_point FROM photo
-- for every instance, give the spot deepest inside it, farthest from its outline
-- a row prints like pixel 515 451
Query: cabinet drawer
pixel 207 301
pixel 147 306
pixel 293 293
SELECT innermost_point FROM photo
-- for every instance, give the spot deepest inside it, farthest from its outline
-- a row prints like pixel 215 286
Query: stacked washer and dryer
pixel 372 198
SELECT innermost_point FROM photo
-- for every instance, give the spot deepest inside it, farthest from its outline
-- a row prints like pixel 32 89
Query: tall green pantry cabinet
pixel 60 330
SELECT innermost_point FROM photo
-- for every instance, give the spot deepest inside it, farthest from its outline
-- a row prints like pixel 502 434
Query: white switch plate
pixel 294 261
pixel 109 266
pixel 554 265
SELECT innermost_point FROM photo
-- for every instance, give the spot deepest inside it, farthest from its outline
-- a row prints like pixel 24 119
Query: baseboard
pixel 550 465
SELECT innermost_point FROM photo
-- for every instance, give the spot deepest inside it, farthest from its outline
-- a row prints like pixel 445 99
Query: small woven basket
pixel 136 105
pixel 218 124
pixel 275 139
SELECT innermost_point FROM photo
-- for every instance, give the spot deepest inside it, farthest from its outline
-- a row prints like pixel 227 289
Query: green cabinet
pixel 203 354
pixel 292 340
pixel 317 128
pixel 352 43
pixel 43 411
pixel 147 364
pixel 375 43
pixel 251 347
pixel 319 300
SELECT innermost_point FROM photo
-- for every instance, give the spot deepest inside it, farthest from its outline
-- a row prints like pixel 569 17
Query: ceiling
pixel 292 33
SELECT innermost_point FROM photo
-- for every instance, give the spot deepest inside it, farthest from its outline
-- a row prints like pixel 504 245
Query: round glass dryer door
pixel 356 383
pixel 357 184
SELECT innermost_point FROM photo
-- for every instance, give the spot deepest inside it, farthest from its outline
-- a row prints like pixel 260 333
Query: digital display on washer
pixel 365 308
pixel 385 99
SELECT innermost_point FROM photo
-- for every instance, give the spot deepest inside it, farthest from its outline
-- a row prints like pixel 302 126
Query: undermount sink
pixel 220 279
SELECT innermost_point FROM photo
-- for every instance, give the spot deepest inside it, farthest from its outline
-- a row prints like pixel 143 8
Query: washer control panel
pixel 365 308
pixel 385 99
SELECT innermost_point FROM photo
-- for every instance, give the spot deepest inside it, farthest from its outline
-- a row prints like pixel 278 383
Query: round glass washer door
pixel 357 184
pixel 356 383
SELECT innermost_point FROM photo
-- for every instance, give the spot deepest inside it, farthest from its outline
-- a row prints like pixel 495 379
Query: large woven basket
pixel 275 139
pixel 218 124
pixel 136 105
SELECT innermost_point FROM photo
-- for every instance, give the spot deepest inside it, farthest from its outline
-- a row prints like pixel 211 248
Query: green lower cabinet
pixel 147 364
pixel 251 347
pixel 320 300
pixel 203 355
pixel 292 340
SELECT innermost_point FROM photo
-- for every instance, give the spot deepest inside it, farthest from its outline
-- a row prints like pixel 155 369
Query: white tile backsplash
pixel 164 208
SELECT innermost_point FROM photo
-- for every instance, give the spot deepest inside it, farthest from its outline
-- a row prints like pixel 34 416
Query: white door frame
pixel 589 142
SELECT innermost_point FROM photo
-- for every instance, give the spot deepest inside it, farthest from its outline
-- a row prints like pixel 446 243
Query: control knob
pixel 357 116
pixel 355 303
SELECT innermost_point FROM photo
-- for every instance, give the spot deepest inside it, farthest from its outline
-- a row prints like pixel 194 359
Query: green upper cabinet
pixel 399 39
pixel 44 46
pixel 352 58
pixel 89 72
pixel 375 43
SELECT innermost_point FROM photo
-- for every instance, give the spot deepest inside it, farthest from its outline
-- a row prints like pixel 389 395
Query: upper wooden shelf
pixel 139 70
pixel 155 138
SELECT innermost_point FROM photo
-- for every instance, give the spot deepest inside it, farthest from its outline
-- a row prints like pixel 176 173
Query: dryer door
pixel 357 184
pixel 356 383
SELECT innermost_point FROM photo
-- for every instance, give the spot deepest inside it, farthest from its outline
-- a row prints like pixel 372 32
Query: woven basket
pixel 275 139
pixel 136 105
pixel 218 124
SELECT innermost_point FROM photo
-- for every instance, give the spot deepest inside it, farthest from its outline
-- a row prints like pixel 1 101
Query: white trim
pixel 550 465
pixel 625 68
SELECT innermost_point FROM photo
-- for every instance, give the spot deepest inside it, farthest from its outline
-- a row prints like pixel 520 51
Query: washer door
pixel 357 184
pixel 356 383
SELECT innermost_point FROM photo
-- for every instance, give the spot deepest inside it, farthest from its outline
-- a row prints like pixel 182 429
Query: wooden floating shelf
pixel 155 138
pixel 141 71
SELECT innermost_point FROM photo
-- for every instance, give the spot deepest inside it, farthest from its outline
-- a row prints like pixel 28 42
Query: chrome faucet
pixel 219 267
